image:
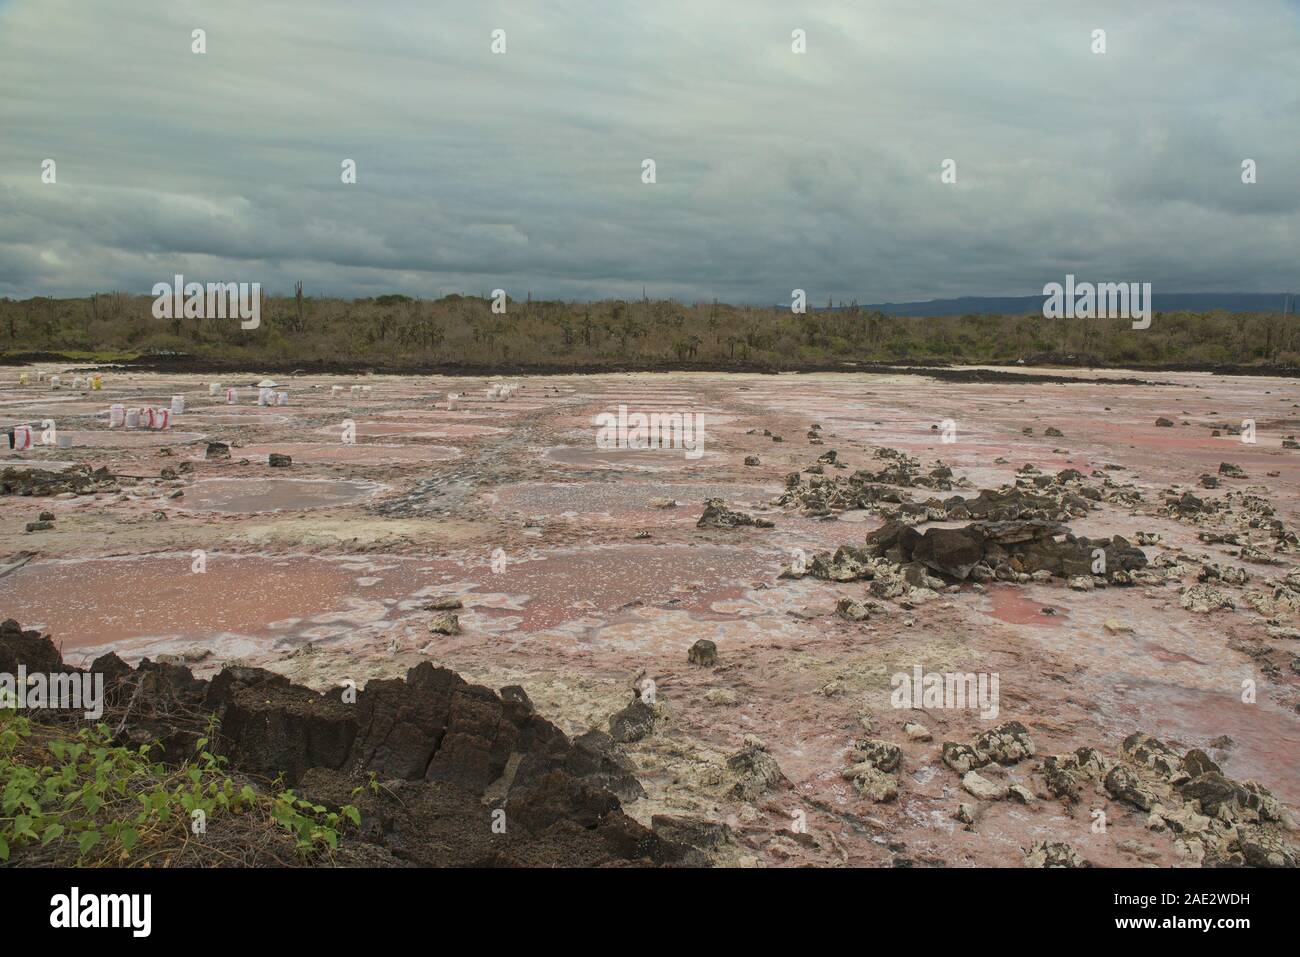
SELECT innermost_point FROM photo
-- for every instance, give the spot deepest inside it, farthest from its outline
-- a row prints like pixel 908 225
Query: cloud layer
pixel 523 171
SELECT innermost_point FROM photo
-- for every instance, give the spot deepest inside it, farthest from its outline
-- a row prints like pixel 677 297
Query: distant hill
pixel 1025 305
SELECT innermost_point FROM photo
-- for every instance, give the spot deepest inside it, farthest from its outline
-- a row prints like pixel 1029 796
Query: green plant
pixel 312 825
pixel 80 797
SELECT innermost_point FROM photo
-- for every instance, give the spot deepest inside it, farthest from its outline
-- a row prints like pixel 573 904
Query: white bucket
pixel 178 404
pixel 54 381
pixel 335 389
pixel 162 418
pixel 214 388
pixel 356 389
pixel 22 437
pixel 232 397
pixel 282 398
pixel 147 417
pixel 133 418
pixel 262 395
pixel 116 416
pixel 78 383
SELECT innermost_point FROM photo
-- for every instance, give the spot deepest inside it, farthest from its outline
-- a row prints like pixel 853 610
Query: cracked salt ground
pixel 653 460
pixel 130 440
pixel 241 604
pixel 1149 671
pixel 367 453
pixel 415 430
pixel 554 587
pixel 790 670
pixel 274 494
pixel 642 502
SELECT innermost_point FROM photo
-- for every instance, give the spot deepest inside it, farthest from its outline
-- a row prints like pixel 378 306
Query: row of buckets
pixel 494 392
pixel 119 416
pixel 94 382
pixel 266 395
pixel 22 438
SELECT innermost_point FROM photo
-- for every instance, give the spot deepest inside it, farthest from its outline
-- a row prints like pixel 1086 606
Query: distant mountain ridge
pixel 1025 305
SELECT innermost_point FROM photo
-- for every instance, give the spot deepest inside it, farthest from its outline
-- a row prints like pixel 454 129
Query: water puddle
pixel 241 495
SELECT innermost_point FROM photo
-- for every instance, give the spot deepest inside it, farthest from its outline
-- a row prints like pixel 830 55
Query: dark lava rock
pixel 704 652
pixel 718 515
pixel 217 450
pixel 633 723
pixel 446 752
pixel 277 461
pixel 1164 423
pixel 29 648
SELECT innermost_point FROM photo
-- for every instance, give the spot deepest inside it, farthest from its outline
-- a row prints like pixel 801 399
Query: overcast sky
pixel 775 170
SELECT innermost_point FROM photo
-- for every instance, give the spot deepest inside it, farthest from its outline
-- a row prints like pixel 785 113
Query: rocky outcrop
pixel 79 480
pixel 718 515
pixel 448 752
pixel 1010 551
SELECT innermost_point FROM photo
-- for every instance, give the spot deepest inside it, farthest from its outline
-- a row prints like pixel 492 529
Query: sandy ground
pixel 575 586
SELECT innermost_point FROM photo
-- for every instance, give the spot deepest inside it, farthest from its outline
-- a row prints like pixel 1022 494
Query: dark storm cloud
pixel 523 170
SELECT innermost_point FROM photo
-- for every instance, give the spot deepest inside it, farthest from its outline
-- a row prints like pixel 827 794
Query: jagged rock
pixel 917 732
pixel 704 653
pixel 1146 751
pixel 217 450
pixel 1265 849
pixel 851 610
pixel 277 461
pixel 1053 854
pixel 751 460
pixel 755 772
pixel 1196 762
pixel 1164 423
pixel 981 787
pixel 1125 785
pixel 1008 743
pixel 1020 794
pixel 962 757
pixel 718 515
pixel 1203 599
pixel 875 785
pixel 880 754
pixel 633 723
pixel 845 565
pixel 445 624
pixel 30 648
pixel 445 603
pixel 691 831
pixel 431 726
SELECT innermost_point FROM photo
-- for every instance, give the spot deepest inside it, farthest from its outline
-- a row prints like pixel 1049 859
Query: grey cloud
pixel 523 171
